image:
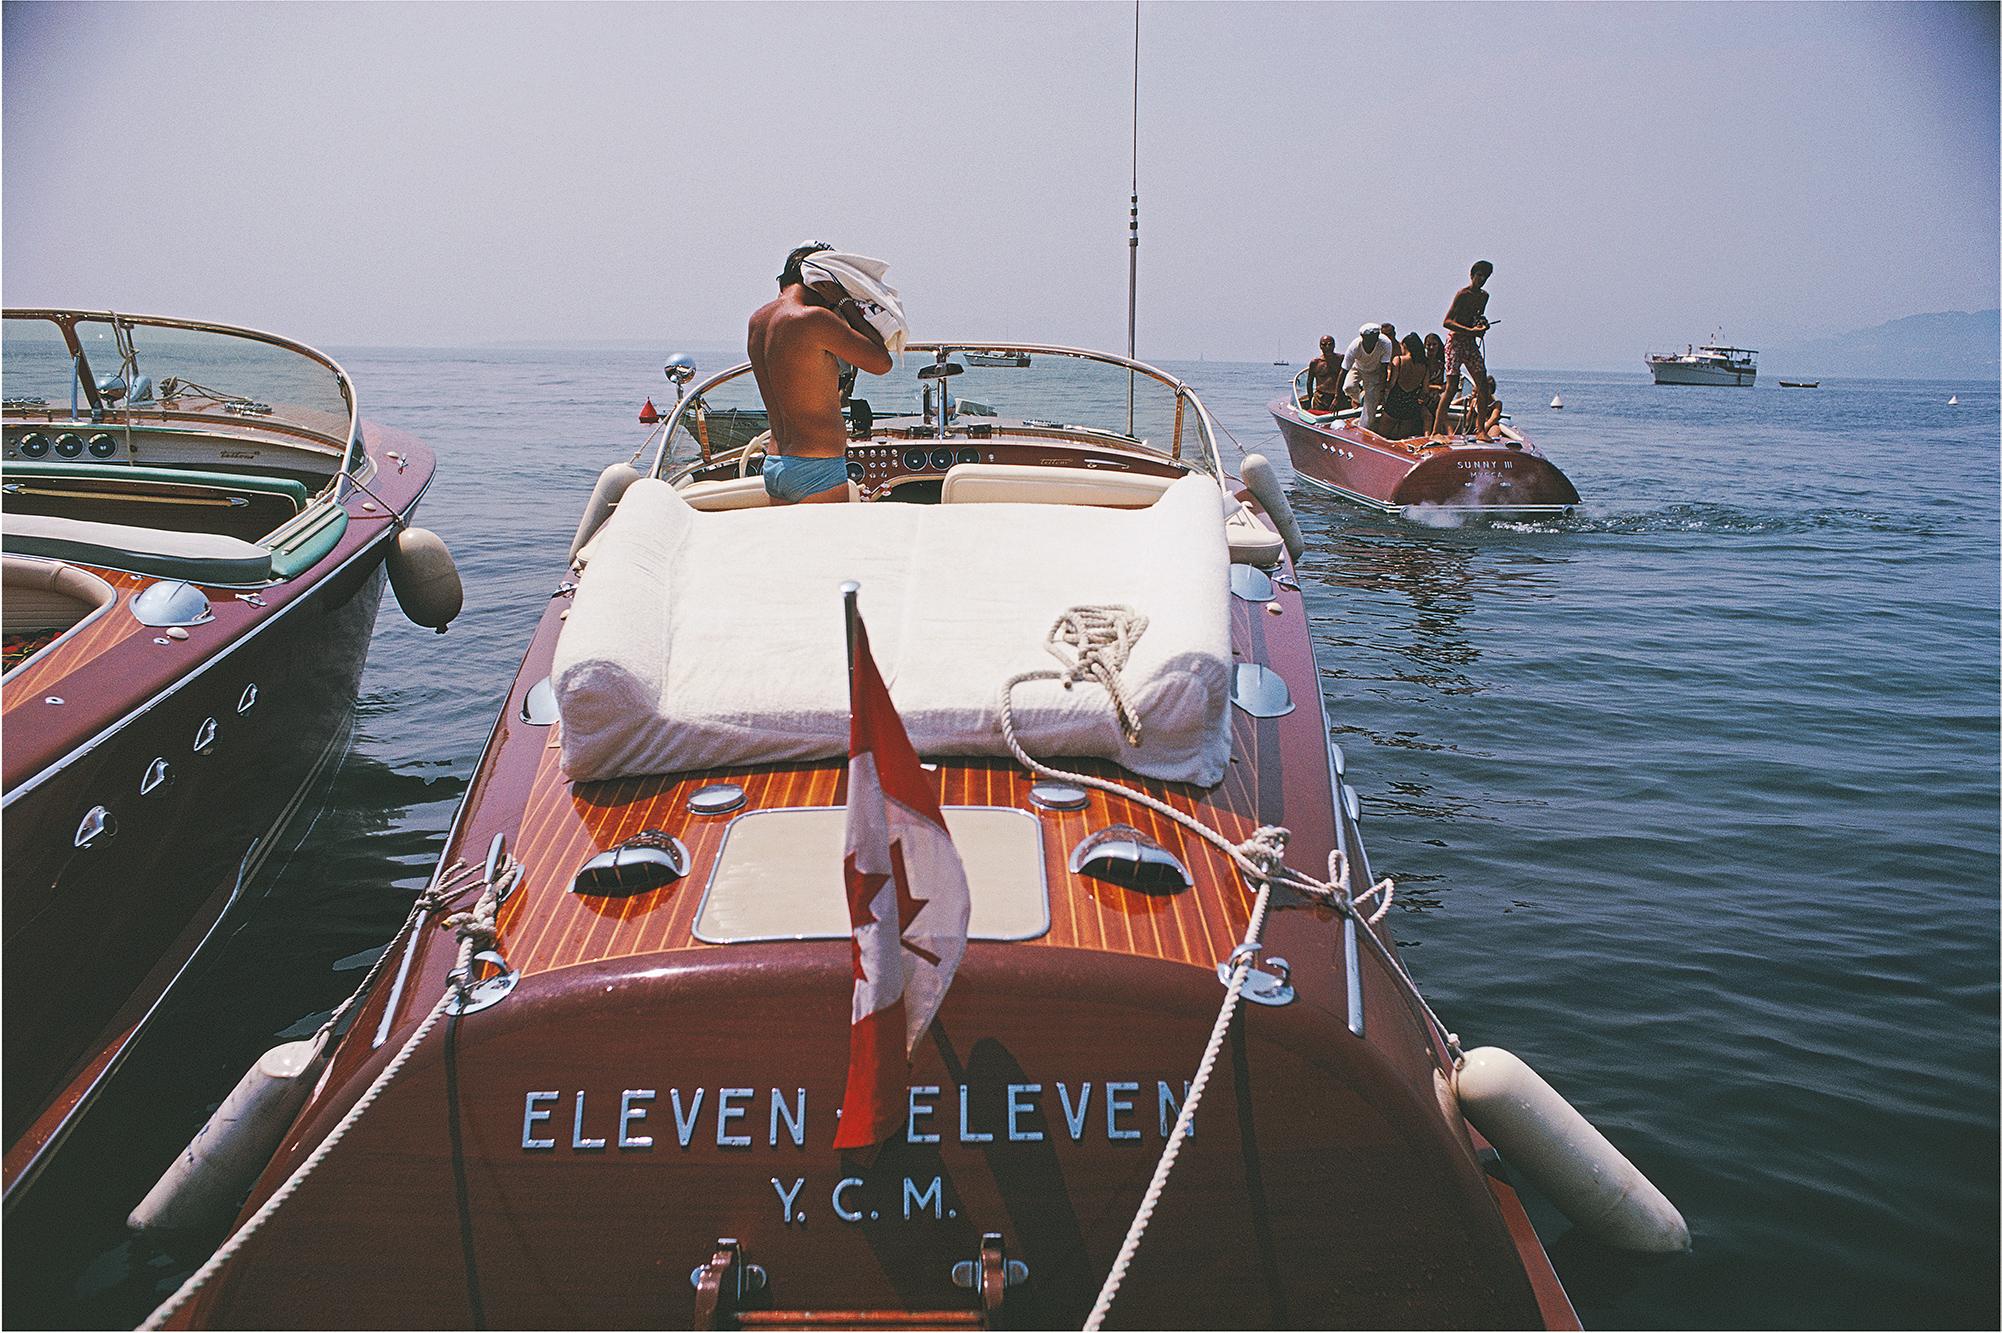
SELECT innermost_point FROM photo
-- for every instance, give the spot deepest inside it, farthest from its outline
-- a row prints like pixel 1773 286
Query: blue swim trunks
pixel 790 480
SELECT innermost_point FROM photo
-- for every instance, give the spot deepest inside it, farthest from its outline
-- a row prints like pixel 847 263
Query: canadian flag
pixel 907 905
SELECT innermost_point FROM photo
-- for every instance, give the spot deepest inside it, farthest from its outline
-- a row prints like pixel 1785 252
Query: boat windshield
pixel 106 365
pixel 1006 389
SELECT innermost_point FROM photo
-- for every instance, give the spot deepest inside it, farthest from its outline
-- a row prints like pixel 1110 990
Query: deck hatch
pixel 778 876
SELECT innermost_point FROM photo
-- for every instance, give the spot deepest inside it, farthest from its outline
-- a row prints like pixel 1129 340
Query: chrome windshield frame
pixel 1210 458
pixel 353 458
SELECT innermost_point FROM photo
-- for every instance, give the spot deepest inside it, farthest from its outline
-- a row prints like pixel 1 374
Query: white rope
pixel 1242 956
pixel 1099 640
pixel 476 932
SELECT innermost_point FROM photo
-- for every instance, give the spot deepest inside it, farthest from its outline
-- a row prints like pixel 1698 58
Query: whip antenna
pixel 1133 222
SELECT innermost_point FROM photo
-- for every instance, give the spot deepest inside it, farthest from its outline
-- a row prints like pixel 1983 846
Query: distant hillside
pixel 1947 345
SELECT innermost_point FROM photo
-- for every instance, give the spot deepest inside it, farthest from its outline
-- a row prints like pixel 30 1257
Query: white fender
pixel 425 578
pixel 1559 1152
pixel 207 1183
pixel 1263 483
pixel 612 483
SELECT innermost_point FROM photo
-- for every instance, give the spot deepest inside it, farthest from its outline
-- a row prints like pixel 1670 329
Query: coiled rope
pixel 476 931
pixel 1094 643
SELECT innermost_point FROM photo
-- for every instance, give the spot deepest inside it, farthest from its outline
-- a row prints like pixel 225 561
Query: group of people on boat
pixel 1407 389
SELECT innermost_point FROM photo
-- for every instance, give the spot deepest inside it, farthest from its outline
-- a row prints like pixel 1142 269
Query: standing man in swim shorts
pixel 1466 321
pixel 796 345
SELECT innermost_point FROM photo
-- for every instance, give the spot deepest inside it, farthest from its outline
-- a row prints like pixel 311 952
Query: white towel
pixel 866 280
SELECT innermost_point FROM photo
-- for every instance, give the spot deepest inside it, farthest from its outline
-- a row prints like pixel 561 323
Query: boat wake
pixel 1727 520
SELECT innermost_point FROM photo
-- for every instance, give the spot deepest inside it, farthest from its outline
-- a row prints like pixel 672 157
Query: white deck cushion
pixel 704 640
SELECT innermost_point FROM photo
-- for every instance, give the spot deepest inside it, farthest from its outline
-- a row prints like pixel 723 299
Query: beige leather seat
pixel 1015 483
pixel 714 497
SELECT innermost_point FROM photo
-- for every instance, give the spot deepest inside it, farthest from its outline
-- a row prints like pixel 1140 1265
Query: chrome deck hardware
pixel 1250 583
pixel 485 993
pixel 1260 691
pixel 719 798
pixel 640 864
pixel 1121 854
pixel 1058 796
pixel 538 706
pixel 1272 988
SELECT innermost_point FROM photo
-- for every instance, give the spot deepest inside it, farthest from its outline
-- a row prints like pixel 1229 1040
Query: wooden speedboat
pixel 1333 452
pixel 191 577
pixel 624 1113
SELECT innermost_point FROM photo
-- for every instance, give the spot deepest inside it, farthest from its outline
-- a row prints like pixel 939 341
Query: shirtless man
pixel 1324 379
pixel 796 344
pixel 1466 321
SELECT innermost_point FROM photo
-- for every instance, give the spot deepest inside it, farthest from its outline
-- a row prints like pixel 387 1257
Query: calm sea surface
pixel 1691 798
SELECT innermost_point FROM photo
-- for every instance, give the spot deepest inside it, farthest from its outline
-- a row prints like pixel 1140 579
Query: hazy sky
pixel 464 173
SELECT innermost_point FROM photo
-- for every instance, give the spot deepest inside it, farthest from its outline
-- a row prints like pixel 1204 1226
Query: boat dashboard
pixel 913 468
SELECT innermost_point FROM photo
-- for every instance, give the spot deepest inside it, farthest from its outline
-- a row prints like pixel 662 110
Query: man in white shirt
pixel 1366 371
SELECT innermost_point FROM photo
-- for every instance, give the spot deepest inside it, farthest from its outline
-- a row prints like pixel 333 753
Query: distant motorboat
pixel 1557 400
pixel 1800 384
pixel 1712 363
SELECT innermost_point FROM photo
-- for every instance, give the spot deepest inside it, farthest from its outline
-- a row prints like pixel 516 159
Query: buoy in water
pixel 1559 1152
pixel 605 496
pixel 1557 400
pixel 1263 483
pixel 207 1183
pixel 425 578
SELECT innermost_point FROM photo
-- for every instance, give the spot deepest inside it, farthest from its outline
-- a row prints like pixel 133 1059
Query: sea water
pixel 1691 800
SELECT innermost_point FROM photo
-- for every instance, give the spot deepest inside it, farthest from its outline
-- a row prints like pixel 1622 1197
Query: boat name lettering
pixel 1489 465
pixel 643 1119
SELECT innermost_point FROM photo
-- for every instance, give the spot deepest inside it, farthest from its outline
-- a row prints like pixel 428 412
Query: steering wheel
pixel 760 444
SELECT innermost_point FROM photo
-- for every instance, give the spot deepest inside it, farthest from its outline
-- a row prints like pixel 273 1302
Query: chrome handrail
pixel 1205 422
pixel 66 320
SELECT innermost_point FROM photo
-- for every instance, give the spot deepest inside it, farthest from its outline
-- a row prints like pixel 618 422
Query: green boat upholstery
pixel 56 470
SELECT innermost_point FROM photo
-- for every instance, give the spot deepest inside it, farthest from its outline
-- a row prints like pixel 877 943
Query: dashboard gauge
pixel 941 459
pixel 34 445
pixel 69 446
pixel 102 446
pixel 969 455
pixel 914 460
pixel 854 471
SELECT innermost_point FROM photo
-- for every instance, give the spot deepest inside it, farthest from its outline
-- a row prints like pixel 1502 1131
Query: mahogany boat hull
pixel 1393 475
pixel 619 1021
pixel 246 712
pixel 610 1142
pixel 635 1108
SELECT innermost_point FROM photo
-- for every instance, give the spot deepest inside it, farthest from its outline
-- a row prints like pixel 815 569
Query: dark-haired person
pixel 1404 398
pixel 1435 374
pixel 797 344
pixel 1324 379
pixel 1466 321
